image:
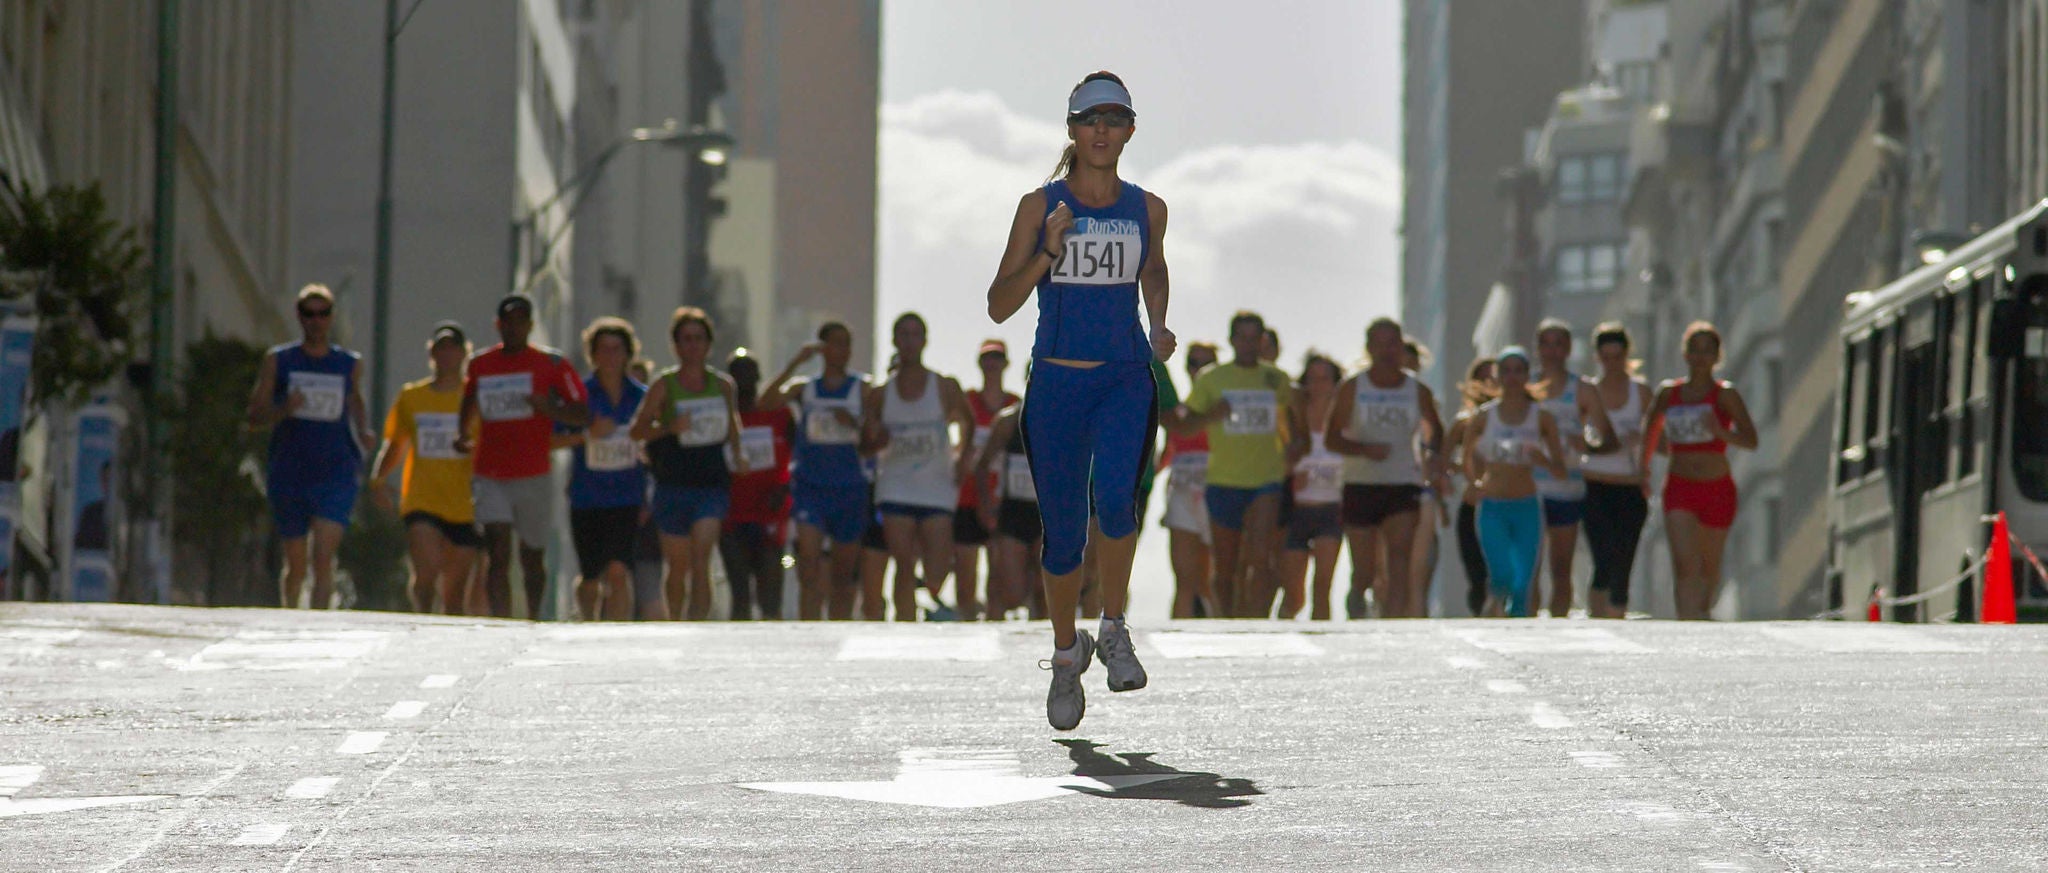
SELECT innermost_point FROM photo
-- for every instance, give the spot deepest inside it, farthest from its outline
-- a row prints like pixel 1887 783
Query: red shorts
pixel 1711 501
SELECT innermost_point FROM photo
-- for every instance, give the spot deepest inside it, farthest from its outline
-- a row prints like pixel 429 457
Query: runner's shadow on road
pixel 1188 788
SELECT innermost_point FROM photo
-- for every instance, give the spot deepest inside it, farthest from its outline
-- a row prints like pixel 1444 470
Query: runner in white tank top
pixel 1386 420
pixel 1315 529
pixel 908 422
pixel 1616 505
pixel 1574 404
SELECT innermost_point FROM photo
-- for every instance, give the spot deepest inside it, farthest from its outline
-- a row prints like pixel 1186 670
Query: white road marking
pixel 176 820
pixel 311 788
pixel 1506 686
pixel 361 743
pixel 262 834
pixel 1548 639
pixel 1191 644
pixel 286 650
pixel 440 680
pixel 1545 716
pixel 1836 637
pixel 1460 662
pixel 617 631
pixel 962 779
pixel 1598 760
pixel 15 777
pixel 406 709
pixel 922 645
pixel 1722 866
pixel 31 642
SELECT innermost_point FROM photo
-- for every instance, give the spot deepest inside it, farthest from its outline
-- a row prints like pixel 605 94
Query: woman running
pixel 434 501
pixel 828 482
pixel 1436 483
pixel 689 422
pixel 1570 399
pixel 607 483
pixel 1185 460
pixel 1477 389
pixel 909 422
pixel 1008 504
pixel 1316 528
pixel 1385 416
pixel 1616 504
pixel 1090 245
pixel 1699 418
pixel 1504 442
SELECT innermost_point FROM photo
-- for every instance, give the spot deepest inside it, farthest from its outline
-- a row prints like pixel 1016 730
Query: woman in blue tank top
pixel 1091 245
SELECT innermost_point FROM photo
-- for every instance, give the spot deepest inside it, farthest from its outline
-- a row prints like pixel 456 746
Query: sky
pixel 1271 130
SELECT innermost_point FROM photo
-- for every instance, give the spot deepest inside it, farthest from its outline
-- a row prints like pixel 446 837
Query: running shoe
pixel 1065 701
pixel 941 612
pixel 1119 657
pixel 1354 604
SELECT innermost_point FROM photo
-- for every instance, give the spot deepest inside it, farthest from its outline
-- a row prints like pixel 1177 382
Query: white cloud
pixel 1304 232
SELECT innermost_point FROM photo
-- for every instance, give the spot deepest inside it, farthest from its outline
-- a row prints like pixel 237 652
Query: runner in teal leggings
pixel 1504 442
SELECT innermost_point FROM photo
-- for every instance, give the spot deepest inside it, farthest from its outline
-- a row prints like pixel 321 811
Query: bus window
pixel 1856 371
pixel 2030 410
pixel 1877 407
pixel 1962 364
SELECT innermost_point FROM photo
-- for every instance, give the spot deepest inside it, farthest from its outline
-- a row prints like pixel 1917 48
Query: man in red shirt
pixel 755 534
pixel 520 392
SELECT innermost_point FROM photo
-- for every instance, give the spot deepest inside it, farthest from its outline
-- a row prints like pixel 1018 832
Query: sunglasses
pixel 1113 117
pixel 315 313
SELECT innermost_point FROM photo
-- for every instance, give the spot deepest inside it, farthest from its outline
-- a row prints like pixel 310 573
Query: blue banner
pixel 92 566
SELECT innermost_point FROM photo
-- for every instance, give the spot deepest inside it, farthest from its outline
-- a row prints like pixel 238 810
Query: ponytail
pixel 1066 163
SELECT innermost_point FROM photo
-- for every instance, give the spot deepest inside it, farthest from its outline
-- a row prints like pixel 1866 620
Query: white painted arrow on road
pixel 15 777
pixel 962 779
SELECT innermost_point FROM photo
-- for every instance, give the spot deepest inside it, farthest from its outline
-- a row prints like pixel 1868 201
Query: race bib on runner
pixel 708 421
pixel 505 397
pixel 1322 479
pixel 434 435
pixel 1687 425
pixel 1190 469
pixel 323 393
pixel 823 428
pixel 757 444
pixel 610 454
pixel 1100 251
pixel 1017 482
pixel 916 442
pixel 1253 411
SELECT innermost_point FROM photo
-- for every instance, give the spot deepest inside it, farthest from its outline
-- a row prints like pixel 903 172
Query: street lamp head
pixel 714 157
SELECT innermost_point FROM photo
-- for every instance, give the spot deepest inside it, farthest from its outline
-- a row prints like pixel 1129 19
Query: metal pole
pixel 162 309
pixel 380 318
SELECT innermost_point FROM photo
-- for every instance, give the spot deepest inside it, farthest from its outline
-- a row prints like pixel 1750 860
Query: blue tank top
pixel 607 473
pixel 315 444
pixel 826 451
pixel 1088 301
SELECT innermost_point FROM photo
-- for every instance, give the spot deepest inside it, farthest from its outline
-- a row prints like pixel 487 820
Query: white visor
pixel 1100 92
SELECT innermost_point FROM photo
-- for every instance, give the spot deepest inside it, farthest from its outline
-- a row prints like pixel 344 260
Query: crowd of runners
pixel 1267 474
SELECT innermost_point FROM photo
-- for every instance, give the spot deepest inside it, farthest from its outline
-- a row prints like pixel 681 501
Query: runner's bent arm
pixel 643 428
pixel 776 395
pixel 1025 261
pixel 1743 436
pixel 999 434
pixel 572 410
pixel 1475 469
pixel 1593 411
pixel 1653 427
pixel 1553 447
pixel 873 435
pixel 1433 441
pixel 732 422
pixel 262 412
pixel 1334 437
pixel 1152 280
pixel 359 412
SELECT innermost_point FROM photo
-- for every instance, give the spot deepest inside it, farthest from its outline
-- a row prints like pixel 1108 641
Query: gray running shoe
pixel 1065 702
pixel 1120 658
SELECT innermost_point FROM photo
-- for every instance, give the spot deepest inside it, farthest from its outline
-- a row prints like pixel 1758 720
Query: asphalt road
pixel 142 738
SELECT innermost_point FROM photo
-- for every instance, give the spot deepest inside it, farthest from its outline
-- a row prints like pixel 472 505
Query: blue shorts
pixel 914 513
pixel 842 513
pixel 294 506
pixel 1563 513
pixel 1227 505
pixel 677 508
pixel 1089 433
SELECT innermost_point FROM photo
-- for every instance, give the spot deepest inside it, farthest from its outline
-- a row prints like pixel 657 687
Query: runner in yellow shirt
pixel 434 501
pixel 1255 434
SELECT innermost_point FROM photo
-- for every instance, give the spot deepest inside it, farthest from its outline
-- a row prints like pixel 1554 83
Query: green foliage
pixel 215 468
pixel 85 272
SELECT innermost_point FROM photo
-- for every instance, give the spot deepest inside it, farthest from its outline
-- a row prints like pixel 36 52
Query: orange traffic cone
pixel 1998 605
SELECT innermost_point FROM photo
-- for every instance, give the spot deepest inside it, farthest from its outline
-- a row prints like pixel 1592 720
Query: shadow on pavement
pixel 1185 787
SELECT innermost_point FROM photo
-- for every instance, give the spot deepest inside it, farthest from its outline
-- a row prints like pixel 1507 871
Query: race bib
pixel 1100 251
pixel 1190 469
pixel 1507 451
pixel 1687 425
pixel 1322 479
pixel 916 442
pixel 1253 412
pixel 1384 422
pixel 757 445
pixel 708 421
pixel 323 393
pixel 1017 482
pixel 610 454
pixel 505 397
pixel 823 428
pixel 434 435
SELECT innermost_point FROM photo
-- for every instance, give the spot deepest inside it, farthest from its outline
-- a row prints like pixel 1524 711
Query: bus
pixel 1941 422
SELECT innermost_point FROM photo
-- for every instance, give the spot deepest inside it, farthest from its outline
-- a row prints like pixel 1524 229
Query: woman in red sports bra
pixel 1698 418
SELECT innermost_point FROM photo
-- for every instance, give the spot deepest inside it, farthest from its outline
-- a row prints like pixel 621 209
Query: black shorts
pixel 462 534
pixel 872 538
pixel 1018 520
pixel 967 529
pixel 603 536
pixel 1311 522
pixel 1369 505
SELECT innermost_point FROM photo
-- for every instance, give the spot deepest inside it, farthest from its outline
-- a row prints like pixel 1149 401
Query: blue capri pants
pixel 1510 531
pixel 1088 433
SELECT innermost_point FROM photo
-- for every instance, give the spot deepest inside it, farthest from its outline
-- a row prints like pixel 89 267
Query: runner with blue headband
pixel 1091 246
pixel 1504 443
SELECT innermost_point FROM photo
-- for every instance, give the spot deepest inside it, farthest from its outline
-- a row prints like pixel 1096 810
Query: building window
pixel 1603 267
pixel 1603 178
pixel 1570 270
pixel 1571 180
